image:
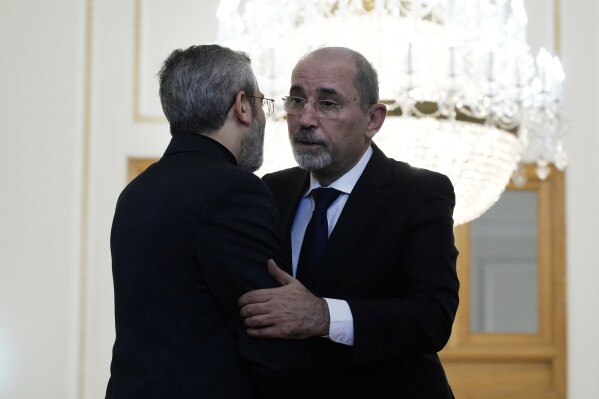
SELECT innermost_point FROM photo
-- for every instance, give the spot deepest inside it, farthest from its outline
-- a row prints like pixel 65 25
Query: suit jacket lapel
pixel 295 196
pixel 361 207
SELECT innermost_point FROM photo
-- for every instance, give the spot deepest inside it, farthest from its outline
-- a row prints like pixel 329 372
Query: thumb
pixel 278 274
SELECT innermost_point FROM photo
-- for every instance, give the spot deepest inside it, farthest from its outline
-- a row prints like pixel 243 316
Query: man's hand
pixel 287 312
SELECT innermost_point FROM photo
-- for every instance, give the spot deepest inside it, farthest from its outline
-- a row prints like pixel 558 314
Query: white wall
pixel 41 130
pixel 580 52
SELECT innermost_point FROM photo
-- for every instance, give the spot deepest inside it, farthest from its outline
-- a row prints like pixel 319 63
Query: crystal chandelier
pixel 465 95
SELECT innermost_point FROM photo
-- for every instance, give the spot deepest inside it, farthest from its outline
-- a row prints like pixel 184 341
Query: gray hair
pixel 198 86
pixel 366 81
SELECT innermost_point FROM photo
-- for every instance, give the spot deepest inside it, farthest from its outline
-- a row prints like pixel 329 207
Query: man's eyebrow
pixel 295 88
pixel 320 90
pixel 327 90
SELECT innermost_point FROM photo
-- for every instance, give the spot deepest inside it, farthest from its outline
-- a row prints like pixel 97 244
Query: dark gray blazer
pixel 391 255
pixel 190 235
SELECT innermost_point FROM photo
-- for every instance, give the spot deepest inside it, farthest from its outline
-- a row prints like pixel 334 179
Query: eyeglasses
pixel 326 109
pixel 268 105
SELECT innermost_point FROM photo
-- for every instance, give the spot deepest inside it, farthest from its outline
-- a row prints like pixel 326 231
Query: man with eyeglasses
pixel 193 233
pixel 370 240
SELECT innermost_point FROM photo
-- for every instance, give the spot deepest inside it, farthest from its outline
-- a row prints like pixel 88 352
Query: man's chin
pixel 311 160
pixel 252 167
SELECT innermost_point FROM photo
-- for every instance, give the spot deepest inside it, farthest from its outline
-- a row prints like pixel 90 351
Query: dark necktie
pixel 316 237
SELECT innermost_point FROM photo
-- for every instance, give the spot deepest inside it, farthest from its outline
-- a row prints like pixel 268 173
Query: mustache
pixel 308 136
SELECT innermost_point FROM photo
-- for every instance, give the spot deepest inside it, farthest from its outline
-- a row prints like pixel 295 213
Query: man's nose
pixel 309 116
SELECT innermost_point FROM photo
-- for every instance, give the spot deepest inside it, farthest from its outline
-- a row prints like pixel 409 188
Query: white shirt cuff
pixel 341 327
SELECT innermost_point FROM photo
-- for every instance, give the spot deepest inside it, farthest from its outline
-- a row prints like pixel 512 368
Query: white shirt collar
pixel 345 183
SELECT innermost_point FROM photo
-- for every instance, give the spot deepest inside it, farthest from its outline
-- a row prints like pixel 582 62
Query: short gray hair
pixel 366 81
pixel 198 86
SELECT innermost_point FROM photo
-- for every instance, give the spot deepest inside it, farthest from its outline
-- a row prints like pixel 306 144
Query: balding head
pixel 366 79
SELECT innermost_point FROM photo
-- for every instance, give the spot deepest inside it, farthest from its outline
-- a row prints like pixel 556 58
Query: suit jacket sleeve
pixel 419 317
pixel 239 233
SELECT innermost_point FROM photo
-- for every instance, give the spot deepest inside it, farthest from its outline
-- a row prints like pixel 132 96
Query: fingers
pixel 278 274
pixel 264 295
pixel 257 296
pixel 258 322
pixel 275 330
pixel 253 310
pixel 268 325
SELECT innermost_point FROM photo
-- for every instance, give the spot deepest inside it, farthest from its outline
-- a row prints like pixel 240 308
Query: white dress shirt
pixel 341 328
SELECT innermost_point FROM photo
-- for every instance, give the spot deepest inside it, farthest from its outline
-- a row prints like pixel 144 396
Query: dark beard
pixel 251 154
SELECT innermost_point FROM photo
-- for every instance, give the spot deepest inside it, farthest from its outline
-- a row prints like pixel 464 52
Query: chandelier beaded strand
pixel 466 97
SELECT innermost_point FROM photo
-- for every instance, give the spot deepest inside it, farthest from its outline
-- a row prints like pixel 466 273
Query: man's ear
pixel 242 109
pixel 377 114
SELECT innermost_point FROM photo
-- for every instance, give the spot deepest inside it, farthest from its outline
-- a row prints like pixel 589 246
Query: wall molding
pixel 138 117
pixel 557 27
pixel 85 189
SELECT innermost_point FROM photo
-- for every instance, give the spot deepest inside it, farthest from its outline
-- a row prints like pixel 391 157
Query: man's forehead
pixel 324 77
pixel 322 64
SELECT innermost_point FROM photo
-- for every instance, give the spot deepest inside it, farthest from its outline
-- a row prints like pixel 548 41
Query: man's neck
pixel 229 139
pixel 326 178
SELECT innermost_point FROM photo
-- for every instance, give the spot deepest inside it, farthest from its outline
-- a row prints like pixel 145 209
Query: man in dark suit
pixel 193 233
pixel 380 303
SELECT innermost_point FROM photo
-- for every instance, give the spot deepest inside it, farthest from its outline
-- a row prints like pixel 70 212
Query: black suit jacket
pixel 392 257
pixel 190 235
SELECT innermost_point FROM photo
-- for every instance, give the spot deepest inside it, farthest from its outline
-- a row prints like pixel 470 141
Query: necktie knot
pixel 323 198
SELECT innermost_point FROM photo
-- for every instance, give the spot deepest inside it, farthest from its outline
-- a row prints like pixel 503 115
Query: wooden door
pixel 527 363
